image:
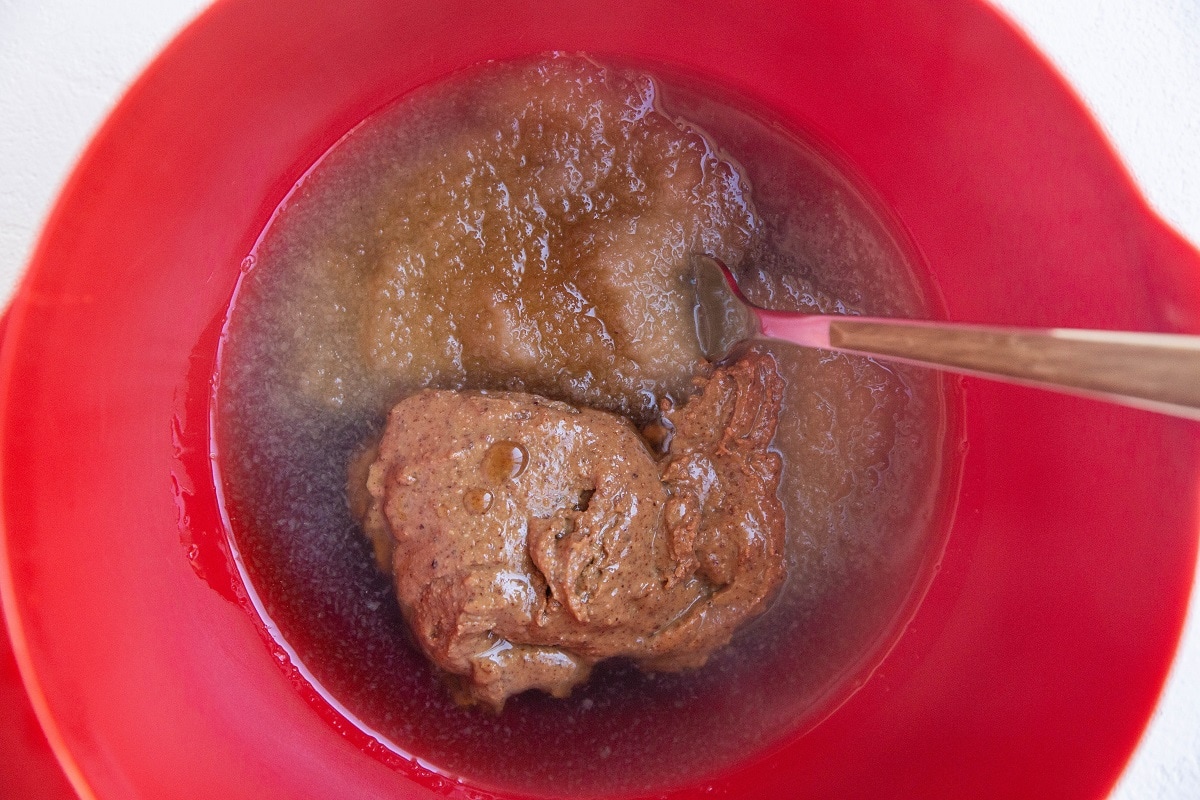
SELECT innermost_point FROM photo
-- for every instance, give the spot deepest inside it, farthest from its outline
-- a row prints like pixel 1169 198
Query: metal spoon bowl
pixel 1155 371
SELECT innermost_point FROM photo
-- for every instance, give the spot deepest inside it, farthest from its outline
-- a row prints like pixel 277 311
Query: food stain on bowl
pixel 525 228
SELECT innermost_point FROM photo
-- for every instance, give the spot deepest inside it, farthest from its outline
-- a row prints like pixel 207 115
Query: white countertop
pixel 64 63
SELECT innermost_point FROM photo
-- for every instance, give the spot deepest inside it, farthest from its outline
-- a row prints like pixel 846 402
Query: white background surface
pixel 64 63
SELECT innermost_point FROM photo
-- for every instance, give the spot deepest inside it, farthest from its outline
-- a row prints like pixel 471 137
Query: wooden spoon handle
pixel 1149 370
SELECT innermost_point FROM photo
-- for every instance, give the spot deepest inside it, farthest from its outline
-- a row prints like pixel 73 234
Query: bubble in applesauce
pixel 525 226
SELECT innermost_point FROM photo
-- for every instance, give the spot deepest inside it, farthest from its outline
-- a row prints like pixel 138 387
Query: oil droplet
pixel 477 501
pixel 504 460
pixel 658 434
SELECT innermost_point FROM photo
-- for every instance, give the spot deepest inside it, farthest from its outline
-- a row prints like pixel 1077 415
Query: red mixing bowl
pixel 1031 665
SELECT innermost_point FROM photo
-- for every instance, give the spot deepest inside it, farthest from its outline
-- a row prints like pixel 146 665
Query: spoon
pixel 1155 371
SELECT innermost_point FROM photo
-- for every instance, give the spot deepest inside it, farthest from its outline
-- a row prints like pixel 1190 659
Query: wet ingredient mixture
pixel 513 241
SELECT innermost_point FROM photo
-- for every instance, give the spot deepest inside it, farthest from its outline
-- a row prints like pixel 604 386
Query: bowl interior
pixel 1034 659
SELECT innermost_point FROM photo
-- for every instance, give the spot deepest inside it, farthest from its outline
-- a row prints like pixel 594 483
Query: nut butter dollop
pixel 529 538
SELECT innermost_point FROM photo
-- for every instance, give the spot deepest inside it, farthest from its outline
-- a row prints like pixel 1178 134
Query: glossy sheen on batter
pixel 530 539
